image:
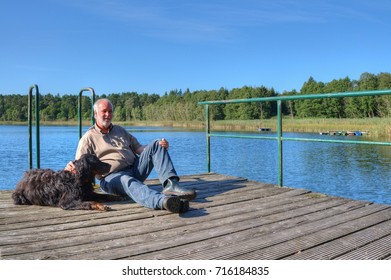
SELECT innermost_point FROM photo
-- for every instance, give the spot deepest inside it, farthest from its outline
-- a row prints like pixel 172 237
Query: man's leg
pixel 155 156
pixel 123 183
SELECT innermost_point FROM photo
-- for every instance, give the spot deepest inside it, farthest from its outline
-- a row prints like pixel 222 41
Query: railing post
pixel 37 136
pixel 207 137
pixel 279 139
pixel 80 121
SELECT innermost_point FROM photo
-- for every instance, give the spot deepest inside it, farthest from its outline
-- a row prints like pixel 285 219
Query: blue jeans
pixel 129 181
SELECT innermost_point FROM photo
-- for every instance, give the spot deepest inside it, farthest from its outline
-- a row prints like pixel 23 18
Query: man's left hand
pixel 164 143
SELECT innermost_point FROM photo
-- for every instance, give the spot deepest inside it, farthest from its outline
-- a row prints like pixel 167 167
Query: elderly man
pixel 131 163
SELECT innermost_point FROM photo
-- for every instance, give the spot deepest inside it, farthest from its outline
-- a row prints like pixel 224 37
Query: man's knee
pixel 153 147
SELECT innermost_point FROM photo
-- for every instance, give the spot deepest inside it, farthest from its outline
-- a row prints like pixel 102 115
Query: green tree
pixel 177 105
pixel 288 107
pixel 384 102
pixel 335 107
pixel 368 104
pixel 310 107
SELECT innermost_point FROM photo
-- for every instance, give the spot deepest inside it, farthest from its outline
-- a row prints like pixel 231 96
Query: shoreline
pixel 377 127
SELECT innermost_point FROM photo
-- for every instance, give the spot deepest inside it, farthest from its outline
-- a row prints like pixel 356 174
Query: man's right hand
pixel 70 166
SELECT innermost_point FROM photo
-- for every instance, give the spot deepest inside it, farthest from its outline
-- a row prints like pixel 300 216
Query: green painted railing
pixel 30 125
pixel 279 136
pixel 37 125
pixel 91 90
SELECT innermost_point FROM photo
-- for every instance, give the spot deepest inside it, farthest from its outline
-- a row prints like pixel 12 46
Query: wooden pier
pixel 232 218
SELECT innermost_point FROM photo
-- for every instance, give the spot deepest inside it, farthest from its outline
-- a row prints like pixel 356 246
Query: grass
pixel 379 128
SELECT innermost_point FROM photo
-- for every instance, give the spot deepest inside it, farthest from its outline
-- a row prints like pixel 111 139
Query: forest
pixel 178 105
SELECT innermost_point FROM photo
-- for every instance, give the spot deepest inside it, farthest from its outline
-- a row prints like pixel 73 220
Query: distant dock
pixel 232 218
pixel 264 129
pixel 343 133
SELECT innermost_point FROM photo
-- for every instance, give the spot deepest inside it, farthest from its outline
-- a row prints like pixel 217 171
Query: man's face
pixel 104 114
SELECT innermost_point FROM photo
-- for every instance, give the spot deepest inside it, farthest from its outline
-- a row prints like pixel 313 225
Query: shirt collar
pixel 100 130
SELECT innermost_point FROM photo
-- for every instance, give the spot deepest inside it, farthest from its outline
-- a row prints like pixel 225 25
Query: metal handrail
pixel 279 136
pixel 30 124
pixel 37 125
pixel 80 123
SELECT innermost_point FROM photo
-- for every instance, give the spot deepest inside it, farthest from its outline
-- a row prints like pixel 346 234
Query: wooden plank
pixel 289 234
pixel 196 235
pixel 232 218
pixel 144 227
pixel 271 224
pixel 379 249
pixel 50 222
pixel 190 235
pixel 296 245
pixel 351 242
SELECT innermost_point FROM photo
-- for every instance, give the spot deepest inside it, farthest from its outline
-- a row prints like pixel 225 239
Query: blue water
pixel 353 171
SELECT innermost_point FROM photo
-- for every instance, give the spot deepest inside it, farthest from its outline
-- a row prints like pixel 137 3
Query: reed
pixel 377 127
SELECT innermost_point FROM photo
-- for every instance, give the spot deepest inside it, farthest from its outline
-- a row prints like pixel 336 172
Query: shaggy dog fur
pixel 65 189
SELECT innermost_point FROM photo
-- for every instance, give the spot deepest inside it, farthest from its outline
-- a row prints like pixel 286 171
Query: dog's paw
pixel 106 208
pixel 100 207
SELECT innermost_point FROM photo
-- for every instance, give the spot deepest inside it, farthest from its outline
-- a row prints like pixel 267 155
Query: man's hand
pixel 164 143
pixel 70 166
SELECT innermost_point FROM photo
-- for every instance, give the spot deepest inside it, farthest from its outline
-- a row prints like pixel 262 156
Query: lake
pixel 359 172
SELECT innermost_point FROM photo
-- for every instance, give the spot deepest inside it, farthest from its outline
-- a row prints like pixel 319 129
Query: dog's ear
pixel 84 167
pixel 80 165
pixel 92 160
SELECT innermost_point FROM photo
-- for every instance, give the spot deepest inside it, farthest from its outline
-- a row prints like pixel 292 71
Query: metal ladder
pixel 37 125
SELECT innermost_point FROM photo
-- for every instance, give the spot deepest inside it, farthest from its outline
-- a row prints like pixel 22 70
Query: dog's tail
pixel 19 198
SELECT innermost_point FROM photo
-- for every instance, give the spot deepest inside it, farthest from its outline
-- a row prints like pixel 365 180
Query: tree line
pixel 183 106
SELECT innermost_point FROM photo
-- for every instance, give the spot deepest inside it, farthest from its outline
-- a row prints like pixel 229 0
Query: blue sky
pixel 156 46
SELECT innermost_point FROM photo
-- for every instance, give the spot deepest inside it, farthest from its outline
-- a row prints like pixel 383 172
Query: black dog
pixel 65 189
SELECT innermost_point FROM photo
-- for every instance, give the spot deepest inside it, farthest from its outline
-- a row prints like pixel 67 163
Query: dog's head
pixel 88 166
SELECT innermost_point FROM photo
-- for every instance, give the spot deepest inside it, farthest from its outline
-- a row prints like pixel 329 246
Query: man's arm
pixel 140 149
pixel 163 143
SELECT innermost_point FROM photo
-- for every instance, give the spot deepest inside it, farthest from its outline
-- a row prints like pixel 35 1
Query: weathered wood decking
pixel 232 218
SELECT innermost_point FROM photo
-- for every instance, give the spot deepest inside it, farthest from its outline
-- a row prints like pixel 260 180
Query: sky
pixel 155 46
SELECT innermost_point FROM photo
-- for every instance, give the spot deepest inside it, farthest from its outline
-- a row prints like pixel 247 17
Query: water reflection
pixel 355 171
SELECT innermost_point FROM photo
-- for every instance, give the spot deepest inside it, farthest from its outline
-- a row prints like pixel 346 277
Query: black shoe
pixel 175 204
pixel 172 188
